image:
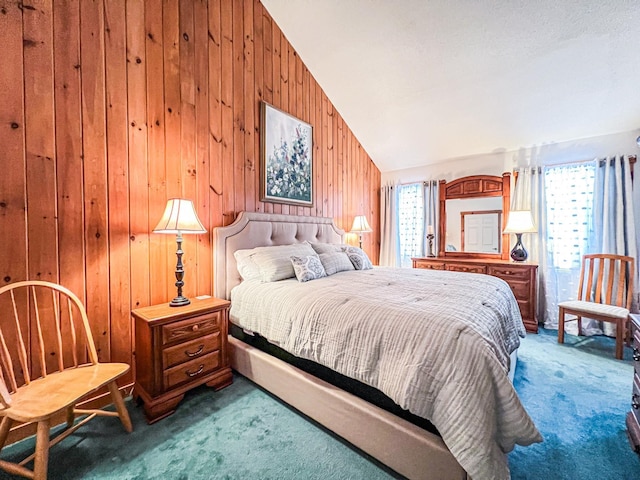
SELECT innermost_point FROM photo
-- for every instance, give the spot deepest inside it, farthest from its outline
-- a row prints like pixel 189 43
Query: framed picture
pixel 286 158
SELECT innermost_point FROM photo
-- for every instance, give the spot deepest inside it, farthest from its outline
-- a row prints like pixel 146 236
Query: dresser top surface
pixel 483 261
pixel 164 311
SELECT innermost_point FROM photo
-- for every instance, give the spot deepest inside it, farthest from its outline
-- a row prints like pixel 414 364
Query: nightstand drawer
pixel 191 371
pixel 190 328
pixel 184 352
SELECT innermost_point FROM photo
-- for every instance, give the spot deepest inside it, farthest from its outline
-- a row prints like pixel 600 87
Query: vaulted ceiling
pixel 423 81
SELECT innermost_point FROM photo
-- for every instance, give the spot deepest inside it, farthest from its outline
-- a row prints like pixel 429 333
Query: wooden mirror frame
pixel 471 187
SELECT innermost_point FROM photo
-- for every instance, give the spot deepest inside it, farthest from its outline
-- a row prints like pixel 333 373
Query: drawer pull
pixel 195 327
pixel 636 354
pixel 196 353
pixel 193 374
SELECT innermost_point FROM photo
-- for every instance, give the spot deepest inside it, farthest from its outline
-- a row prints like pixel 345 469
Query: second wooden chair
pixel 604 294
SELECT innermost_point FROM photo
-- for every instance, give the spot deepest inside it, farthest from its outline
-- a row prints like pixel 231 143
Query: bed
pixel 411 450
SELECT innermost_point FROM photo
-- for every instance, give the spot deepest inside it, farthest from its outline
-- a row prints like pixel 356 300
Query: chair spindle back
pixel 42 335
pixel 607 278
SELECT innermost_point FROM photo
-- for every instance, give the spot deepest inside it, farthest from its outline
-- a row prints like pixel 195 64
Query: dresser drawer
pixel 190 328
pixel 508 273
pixel 192 370
pixel 635 397
pixel 633 432
pixel 525 309
pixel 636 351
pixel 430 266
pixel 461 267
pixel 186 351
pixel 520 289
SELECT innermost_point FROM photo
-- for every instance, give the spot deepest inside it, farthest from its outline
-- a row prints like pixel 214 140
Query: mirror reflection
pixel 474 225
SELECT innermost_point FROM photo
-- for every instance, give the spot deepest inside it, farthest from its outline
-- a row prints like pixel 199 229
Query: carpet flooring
pixel 577 394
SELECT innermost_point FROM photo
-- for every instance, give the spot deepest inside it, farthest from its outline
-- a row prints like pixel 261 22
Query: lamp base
pixel 179 301
pixel 430 238
pixel 519 253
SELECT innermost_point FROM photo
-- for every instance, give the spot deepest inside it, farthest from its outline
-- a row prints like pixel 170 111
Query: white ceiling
pixel 423 81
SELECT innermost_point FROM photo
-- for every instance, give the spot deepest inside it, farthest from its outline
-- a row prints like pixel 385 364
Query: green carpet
pixel 578 396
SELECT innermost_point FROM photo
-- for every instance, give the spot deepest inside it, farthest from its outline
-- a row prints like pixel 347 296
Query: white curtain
pixel 559 198
pixel 613 227
pixel 411 222
pixel 578 208
pixel 569 210
pixel 389 238
pixel 529 194
pixel 431 211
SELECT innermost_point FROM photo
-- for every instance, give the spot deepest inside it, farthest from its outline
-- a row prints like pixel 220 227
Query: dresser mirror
pixel 473 213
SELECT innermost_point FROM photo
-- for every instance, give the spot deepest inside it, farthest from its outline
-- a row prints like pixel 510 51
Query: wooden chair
pixel 605 292
pixel 48 363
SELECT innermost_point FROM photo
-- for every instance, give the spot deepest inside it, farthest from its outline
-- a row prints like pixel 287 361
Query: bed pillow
pixel 334 262
pixel 358 257
pixel 328 247
pixel 275 262
pixel 247 268
pixel 308 267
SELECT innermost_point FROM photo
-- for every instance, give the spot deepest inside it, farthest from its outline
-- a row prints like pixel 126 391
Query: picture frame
pixel 286 158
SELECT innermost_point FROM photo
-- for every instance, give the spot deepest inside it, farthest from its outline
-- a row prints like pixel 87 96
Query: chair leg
pixel 620 338
pixel 41 461
pixel 71 417
pixel 118 401
pixel 579 318
pixel 561 325
pixel 5 427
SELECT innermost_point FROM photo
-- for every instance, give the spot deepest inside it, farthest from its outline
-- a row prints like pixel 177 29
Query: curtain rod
pixel 423 182
pixel 632 160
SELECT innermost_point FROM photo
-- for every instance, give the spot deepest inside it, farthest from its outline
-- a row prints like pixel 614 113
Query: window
pixel 569 192
pixel 410 222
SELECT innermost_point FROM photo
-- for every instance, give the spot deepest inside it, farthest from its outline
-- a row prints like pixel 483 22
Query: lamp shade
pixel 179 217
pixel 520 221
pixel 360 225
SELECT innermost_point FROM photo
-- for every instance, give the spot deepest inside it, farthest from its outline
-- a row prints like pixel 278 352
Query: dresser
pixel 633 417
pixel 177 349
pixel 521 277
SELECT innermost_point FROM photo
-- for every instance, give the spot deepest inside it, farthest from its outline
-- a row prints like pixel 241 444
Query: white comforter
pixel 437 343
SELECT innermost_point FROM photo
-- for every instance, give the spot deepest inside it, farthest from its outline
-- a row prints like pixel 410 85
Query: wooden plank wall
pixel 109 107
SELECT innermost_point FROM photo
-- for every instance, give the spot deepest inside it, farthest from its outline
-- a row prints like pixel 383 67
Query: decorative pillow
pixel 247 268
pixel 308 267
pixel 358 257
pixel 328 247
pixel 275 262
pixel 335 262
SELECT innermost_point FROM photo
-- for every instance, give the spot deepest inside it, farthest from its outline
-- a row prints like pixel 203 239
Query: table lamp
pixel 520 221
pixel 360 226
pixel 179 218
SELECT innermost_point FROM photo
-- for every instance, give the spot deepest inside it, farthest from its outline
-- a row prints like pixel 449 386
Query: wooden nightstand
pixel 177 349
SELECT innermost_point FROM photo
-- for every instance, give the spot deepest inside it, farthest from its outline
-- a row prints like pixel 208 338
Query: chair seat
pixel 55 392
pixel 584 308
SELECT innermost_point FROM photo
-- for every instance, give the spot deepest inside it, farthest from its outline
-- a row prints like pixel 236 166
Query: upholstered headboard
pixel 252 229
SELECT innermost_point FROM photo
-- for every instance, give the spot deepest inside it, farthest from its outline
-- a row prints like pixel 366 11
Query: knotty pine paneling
pixel 110 107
